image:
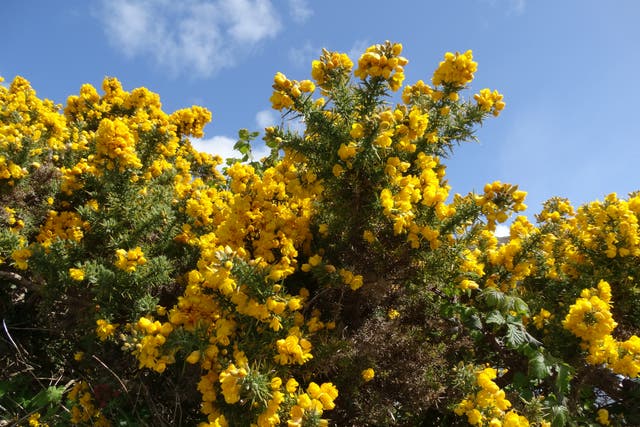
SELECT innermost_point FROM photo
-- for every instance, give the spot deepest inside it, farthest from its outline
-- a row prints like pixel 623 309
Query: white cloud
pixel 357 50
pixel 300 10
pixel 517 6
pixel 192 36
pixel 266 118
pixel 502 230
pixel 250 21
pixel 303 55
pixel 511 7
pixel 216 145
pixel 223 146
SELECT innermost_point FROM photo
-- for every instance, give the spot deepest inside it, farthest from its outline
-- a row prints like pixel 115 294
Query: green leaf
pixel 516 335
pixel 559 414
pixel 4 388
pixel 49 395
pixel 521 383
pixel 563 378
pixel 493 297
pixel 538 367
pixel 520 306
pixel 495 317
pixel 54 394
pixel 472 320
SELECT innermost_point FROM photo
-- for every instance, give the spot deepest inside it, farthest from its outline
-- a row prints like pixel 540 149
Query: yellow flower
pixel 104 329
pixel 603 417
pixel 20 258
pixel 367 374
pixel 129 260
pixel 456 69
pixel 76 274
pixel 291 386
pixel 194 357
pixel 467 284
pixel 490 101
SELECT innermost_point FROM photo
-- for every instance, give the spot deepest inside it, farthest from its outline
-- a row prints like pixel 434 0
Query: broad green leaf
pixel 516 335
pixel 563 378
pixel 493 297
pixel 520 306
pixel 495 317
pixel 472 320
pixel 538 367
pixel 560 414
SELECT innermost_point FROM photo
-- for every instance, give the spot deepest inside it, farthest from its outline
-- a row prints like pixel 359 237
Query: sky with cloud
pixel 567 70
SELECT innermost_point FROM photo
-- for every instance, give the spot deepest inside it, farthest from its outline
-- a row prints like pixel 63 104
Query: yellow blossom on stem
pixel 368 374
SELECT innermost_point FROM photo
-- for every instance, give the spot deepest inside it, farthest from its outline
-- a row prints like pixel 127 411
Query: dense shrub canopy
pixel 335 281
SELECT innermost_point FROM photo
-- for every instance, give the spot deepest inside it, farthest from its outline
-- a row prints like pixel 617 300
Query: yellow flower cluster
pixel 488 405
pixel 612 225
pixel 120 138
pixel 425 187
pixel 129 260
pixel 72 178
pixel 34 421
pixel 286 91
pixel 499 199
pixel 83 409
pixel 513 262
pixel 10 171
pixel 230 382
pixel 146 342
pixel 254 224
pixel 27 124
pixel 104 329
pixel 115 146
pixel 20 258
pixel 331 67
pixel 456 69
pixel 413 93
pixel 383 61
pixel 65 225
pixel 190 121
pixel 353 280
pixel 491 102
pixel 590 319
pixel 293 350
pixel 317 399
pixel 542 318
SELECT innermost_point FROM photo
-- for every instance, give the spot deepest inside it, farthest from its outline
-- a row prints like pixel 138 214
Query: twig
pixel 15 277
pixel 112 373
pixel 6 330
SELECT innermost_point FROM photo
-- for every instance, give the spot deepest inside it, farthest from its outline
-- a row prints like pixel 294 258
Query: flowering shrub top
pixel 338 277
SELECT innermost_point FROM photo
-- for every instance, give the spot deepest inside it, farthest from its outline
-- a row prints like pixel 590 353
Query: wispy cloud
pixel 511 7
pixel 216 145
pixel 223 145
pixel 265 118
pixel 300 10
pixel 502 230
pixel 195 36
pixel 302 56
pixel 516 6
pixel 357 49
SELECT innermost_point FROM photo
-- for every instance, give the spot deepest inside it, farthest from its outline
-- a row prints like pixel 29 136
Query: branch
pixel 16 278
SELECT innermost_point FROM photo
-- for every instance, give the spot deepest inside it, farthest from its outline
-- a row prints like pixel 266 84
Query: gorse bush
pixel 336 281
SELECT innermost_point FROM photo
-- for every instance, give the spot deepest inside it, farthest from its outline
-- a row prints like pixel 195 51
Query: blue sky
pixel 568 70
